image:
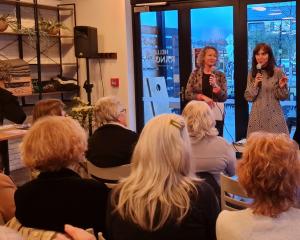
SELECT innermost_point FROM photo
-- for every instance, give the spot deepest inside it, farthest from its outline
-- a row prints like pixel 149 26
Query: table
pixel 7 133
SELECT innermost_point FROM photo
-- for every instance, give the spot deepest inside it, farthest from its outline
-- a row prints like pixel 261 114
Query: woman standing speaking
pixel 206 83
pixel 266 86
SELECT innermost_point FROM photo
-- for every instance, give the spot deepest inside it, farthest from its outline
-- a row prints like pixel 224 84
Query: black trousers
pixel 220 126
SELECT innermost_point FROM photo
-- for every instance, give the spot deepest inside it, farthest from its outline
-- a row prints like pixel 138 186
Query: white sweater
pixel 244 225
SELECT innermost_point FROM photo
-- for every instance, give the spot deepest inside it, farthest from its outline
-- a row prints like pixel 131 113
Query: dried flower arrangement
pixel 82 112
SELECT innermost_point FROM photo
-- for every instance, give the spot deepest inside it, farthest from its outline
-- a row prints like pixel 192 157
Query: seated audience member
pixel 7 203
pixel 48 107
pixel 10 108
pixel 270 173
pixel 59 195
pixel 210 152
pixel 112 143
pixel 161 199
pixel 54 107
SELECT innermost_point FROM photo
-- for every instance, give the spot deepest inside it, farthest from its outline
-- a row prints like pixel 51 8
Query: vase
pixel 3 25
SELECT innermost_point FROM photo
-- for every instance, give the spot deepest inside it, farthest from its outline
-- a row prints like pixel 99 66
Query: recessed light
pixel 288 18
pixel 274 13
pixel 259 9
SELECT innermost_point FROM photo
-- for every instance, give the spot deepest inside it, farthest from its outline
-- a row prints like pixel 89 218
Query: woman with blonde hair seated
pixel 210 152
pixel 161 199
pixel 59 195
pixel 112 143
pixel 270 173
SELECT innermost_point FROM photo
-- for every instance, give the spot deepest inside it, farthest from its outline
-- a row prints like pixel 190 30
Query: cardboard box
pixel 19 86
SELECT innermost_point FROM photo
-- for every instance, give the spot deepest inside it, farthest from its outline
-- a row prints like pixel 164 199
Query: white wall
pixel 112 18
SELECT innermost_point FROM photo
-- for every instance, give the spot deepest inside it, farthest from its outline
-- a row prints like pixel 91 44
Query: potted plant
pixel 82 112
pixel 5 21
pixel 50 26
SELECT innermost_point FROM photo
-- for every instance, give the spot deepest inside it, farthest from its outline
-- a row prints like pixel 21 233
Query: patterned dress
pixel 266 113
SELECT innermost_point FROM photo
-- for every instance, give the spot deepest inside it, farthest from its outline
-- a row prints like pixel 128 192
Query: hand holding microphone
pixel 258 77
pixel 213 79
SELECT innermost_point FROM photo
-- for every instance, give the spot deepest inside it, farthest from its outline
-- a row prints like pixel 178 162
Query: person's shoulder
pixel 232 216
pixel 204 189
pixel 92 184
pixel 5 180
pixel 221 141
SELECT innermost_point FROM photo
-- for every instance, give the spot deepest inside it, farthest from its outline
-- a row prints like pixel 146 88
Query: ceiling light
pixel 259 9
pixel 288 18
pixel 274 13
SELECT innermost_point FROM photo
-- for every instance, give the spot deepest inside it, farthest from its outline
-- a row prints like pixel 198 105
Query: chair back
pixel 233 196
pixel 110 176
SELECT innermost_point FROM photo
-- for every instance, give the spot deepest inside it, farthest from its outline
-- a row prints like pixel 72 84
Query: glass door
pixel 275 24
pixel 160 63
pixel 220 36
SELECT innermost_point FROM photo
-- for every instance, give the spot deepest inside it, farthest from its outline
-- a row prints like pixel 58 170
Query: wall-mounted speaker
pixel 85 41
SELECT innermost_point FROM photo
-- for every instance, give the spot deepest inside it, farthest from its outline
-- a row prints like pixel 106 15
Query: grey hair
pixel 107 109
pixel 200 120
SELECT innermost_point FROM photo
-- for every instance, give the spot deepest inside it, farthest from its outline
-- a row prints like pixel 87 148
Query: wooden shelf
pixel 49 93
pixel 54 64
pixel 25 34
pixel 28 4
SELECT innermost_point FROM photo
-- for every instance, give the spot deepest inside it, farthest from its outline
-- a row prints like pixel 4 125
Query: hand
pixel 206 99
pixel 213 81
pixel 258 79
pixel 283 81
pixel 75 234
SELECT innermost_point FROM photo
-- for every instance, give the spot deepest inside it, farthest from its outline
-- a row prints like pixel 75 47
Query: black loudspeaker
pixel 85 41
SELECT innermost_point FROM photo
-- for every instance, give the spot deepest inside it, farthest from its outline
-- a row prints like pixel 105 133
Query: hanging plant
pixel 51 26
pixel 5 21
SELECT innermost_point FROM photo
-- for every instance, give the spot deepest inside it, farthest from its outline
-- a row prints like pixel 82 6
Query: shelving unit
pixel 48 56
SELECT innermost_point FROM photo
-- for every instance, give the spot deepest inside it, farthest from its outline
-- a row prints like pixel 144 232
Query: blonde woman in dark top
pixel 161 199
pixel 206 83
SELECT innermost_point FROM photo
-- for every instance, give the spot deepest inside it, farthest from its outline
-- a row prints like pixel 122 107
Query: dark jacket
pixel 199 223
pixel 10 108
pixel 111 145
pixel 58 198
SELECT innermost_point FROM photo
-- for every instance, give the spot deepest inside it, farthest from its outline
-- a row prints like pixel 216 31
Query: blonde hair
pixel 47 107
pixel 200 120
pixel 53 143
pixel 159 186
pixel 270 172
pixel 201 56
pixel 107 109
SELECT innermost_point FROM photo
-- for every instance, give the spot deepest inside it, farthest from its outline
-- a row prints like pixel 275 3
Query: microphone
pixel 258 67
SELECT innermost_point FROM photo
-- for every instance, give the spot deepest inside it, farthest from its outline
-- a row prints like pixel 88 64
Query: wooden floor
pixel 20 176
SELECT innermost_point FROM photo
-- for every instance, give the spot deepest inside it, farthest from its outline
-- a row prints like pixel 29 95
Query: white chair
pixel 109 175
pixel 233 196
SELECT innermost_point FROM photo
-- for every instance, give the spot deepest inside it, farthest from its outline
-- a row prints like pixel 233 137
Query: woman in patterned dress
pixel 207 84
pixel 266 86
